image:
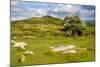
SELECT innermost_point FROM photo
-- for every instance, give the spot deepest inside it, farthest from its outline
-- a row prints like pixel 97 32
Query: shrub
pixel 73 25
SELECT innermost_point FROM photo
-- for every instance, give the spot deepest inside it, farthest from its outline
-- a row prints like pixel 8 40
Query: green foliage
pixel 90 31
pixel 74 25
pixel 90 23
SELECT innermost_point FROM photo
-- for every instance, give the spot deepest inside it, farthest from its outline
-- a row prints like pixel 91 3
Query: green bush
pixel 73 25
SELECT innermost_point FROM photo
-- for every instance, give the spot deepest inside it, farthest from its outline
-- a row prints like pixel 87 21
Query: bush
pixel 73 26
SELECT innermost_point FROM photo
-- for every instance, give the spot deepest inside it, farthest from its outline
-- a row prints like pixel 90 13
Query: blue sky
pixel 24 9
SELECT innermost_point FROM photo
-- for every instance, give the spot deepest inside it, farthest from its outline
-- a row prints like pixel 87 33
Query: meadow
pixel 41 34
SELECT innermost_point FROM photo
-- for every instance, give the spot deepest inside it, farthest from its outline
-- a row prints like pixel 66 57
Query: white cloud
pixel 25 10
pixel 14 3
pixel 66 9
pixel 39 12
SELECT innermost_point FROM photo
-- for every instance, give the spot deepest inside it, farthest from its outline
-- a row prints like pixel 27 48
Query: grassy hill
pixel 45 25
pixel 90 23
pixel 42 33
pixel 44 19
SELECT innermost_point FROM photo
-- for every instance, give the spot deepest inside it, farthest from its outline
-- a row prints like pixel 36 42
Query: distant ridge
pixel 44 19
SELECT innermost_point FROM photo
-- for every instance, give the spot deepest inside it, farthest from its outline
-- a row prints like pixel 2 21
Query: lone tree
pixel 73 25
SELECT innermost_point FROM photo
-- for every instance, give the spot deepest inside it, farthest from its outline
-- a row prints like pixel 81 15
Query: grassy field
pixel 45 34
pixel 44 55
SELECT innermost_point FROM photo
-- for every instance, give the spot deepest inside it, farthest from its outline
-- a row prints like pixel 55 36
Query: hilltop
pixel 46 25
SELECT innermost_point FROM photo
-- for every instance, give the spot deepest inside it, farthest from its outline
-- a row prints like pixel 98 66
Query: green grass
pixel 44 55
pixel 47 32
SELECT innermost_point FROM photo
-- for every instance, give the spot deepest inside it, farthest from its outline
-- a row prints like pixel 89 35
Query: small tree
pixel 74 25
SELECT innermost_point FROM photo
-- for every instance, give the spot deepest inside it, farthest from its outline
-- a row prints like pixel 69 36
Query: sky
pixel 27 9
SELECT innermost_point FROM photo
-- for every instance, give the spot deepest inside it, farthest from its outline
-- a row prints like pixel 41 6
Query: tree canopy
pixel 73 25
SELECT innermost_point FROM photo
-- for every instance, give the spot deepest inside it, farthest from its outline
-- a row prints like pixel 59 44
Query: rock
pixel 69 51
pixel 28 52
pixel 63 48
pixel 29 37
pixel 21 59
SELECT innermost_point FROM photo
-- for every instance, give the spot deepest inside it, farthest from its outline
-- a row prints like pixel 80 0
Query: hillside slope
pixel 42 26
